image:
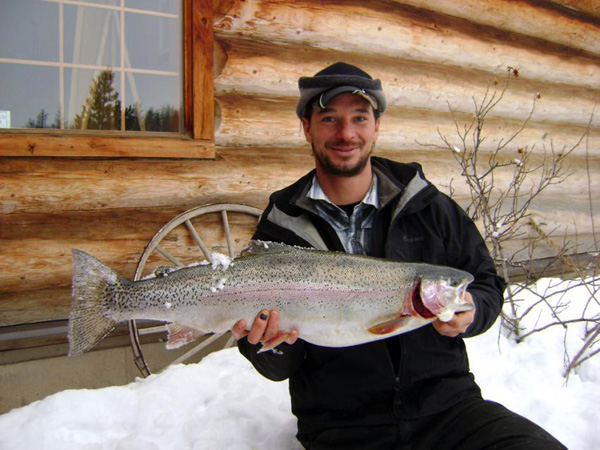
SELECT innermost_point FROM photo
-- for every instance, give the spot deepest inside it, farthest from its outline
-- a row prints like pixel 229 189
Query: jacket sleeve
pixel 277 364
pixel 467 250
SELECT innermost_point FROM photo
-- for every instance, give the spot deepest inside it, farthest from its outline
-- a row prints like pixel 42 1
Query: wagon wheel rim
pixel 184 219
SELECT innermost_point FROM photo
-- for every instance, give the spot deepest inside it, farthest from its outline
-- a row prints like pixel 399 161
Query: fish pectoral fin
pixel 389 326
pixel 180 335
pixel 274 342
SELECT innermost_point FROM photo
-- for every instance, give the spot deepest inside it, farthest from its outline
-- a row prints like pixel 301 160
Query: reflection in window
pixel 92 64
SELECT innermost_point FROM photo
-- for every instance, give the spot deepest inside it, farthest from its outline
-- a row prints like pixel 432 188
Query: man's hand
pixel 459 322
pixel 265 330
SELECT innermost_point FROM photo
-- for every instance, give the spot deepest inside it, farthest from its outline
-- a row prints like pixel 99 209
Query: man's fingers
pixel 272 326
pixel 259 326
pixel 455 326
pixel 265 329
pixel 274 342
pixel 293 337
pixel 468 298
pixel 239 329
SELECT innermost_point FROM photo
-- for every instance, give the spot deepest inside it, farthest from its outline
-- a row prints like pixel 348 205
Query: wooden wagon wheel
pixel 190 237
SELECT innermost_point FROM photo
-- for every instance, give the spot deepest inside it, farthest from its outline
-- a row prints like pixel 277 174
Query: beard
pixel 340 170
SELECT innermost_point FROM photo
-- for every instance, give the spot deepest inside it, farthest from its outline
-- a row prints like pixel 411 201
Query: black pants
pixel 473 424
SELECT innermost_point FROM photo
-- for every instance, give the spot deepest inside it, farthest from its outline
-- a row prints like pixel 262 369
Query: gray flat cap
pixel 338 79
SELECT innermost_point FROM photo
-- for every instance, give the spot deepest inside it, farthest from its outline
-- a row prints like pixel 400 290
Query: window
pixel 106 78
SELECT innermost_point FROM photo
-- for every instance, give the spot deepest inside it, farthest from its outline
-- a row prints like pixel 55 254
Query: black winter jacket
pixel 339 387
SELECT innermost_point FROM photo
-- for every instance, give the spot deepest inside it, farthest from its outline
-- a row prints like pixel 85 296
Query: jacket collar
pixel 395 181
pixel 401 187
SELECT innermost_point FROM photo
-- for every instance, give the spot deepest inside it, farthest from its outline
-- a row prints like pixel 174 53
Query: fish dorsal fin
pixel 256 247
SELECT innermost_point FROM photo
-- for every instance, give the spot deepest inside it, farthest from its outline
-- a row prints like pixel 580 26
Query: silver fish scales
pixel 333 299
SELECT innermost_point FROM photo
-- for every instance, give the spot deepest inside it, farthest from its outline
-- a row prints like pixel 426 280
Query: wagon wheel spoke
pixel 198 241
pixel 227 233
pixel 167 255
pixel 175 242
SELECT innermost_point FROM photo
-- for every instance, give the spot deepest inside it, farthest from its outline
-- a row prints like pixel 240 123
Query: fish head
pixel 441 293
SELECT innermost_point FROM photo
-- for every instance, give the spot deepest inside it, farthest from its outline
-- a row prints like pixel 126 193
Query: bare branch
pixel 504 212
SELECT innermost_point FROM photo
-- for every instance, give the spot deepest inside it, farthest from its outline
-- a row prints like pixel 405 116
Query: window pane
pixel 164 6
pixel 101 78
pixel 94 100
pixel 29 30
pixel 101 2
pixel 153 42
pixel 92 36
pixel 36 84
pixel 158 109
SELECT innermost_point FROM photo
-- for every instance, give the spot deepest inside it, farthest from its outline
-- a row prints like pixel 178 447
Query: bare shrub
pixel 503 213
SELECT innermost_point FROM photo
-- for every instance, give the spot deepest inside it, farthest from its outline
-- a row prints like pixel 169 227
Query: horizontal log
pixel 48 186
pixel 253 120
pixel 532 19
pixel 558 210
pixel 114 224
pixel 37 196
pixel 589 7
pixel 583 263
pixel 37 264
pixel 46 261
pixel 102 189
pixel 33 306
pixel 54 186
pixel 273 70
pixel 407 128
pixel 399 32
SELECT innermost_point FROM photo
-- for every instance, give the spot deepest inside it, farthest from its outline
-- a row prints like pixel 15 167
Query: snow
pixel 220 261
pixel 222 402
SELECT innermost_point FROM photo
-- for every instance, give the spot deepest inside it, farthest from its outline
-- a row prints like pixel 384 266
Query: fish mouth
pixel 432 298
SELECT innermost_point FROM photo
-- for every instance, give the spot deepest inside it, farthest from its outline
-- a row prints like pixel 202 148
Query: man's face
pixel 342 135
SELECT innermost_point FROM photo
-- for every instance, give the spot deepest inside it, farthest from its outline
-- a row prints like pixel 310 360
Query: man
pixel 409 391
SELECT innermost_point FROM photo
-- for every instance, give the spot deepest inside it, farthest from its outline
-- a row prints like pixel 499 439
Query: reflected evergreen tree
pixel 131 117
pixel 100 108
pixel 163 119
pixel 56 123
pixel 102 111
pixel 41 120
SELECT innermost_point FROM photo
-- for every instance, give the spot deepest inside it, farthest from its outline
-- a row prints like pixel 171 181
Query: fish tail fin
pixel 88 323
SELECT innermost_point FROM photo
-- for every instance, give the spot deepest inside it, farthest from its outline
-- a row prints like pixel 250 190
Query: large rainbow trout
pixel 332 299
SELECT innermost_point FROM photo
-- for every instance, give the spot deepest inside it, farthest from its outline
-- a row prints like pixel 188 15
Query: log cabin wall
pixel 432 56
